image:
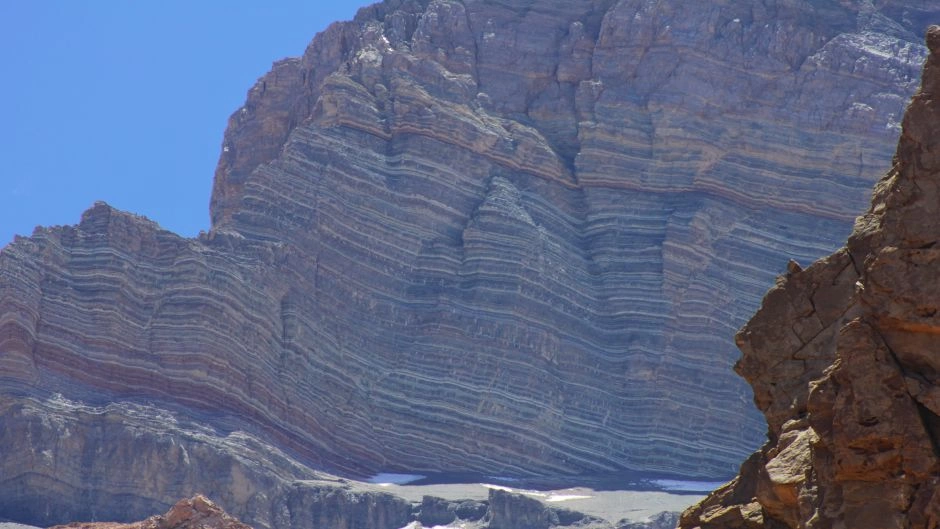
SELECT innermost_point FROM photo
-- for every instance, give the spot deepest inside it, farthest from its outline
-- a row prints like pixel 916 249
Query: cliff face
pixel 68 461
pixel 509 238
pixel 843 359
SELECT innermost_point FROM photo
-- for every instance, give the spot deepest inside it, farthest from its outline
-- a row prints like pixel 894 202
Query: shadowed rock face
pixel 125 462
pixel 509 238
pixel 843 359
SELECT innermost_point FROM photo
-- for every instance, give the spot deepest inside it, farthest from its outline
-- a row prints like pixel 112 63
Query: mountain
pixel 504 238
pixel 842 357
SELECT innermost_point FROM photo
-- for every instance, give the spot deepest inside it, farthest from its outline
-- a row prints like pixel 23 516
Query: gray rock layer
pixel 511 238
pixel 75 462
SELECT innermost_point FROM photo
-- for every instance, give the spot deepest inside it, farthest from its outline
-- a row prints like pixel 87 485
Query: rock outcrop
pixel 508 238
pixel 843 359
pixel 197 512
pixel 70 461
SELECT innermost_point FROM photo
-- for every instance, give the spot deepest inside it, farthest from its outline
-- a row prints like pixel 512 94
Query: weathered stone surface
pixel 151 457
pixel 509 238
pixel 663 520
pixel 436 511
pixel 197 512
pixel 508 510
pixel 847 376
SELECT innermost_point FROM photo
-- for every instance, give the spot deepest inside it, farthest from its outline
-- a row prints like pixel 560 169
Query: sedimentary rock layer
pixel 536 225
pixel 843 359
pixel 511 238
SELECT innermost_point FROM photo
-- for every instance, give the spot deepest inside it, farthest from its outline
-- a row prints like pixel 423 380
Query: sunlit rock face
pixel 508 238
pixel 843 359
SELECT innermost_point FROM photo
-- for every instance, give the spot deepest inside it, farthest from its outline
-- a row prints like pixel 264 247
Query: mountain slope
pixel 510 238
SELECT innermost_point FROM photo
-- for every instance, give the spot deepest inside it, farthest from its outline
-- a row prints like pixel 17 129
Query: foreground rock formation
pixel 197 512
pixel 845 363
pixel 505 238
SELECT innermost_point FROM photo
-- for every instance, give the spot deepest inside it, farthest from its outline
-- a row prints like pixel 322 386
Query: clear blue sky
pixel 126 101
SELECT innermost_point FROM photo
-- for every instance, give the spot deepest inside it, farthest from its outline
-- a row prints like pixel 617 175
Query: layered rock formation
pixel 507 238
pixel 843 359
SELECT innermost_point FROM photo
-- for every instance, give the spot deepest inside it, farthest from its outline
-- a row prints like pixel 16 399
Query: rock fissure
pixel 931 424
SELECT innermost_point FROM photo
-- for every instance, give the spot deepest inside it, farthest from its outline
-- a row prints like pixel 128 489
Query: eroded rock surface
pixel 197 512
pixel 845 363
pixel 510 238
pixel 124 462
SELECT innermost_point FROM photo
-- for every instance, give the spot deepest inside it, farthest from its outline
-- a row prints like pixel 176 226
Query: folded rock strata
pixel 508 238
pixel 843 359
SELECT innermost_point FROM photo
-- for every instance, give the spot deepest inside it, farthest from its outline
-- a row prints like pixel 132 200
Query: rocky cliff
pixel 501 237
pixel 843 359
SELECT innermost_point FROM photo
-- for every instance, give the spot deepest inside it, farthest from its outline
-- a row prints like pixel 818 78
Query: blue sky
pixel 127 101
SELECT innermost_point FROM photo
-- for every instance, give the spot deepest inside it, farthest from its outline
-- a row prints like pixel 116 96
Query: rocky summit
pixel 845 364
pixel 504 238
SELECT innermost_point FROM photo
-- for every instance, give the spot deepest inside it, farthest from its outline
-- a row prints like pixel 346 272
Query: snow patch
pixel 676 485
pixel 417 525
pixel 498 487
pixel 544 496
pixel 385 479
pixel 566 497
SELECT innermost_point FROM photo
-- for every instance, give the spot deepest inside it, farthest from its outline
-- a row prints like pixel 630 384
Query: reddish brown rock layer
pixel 845 363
